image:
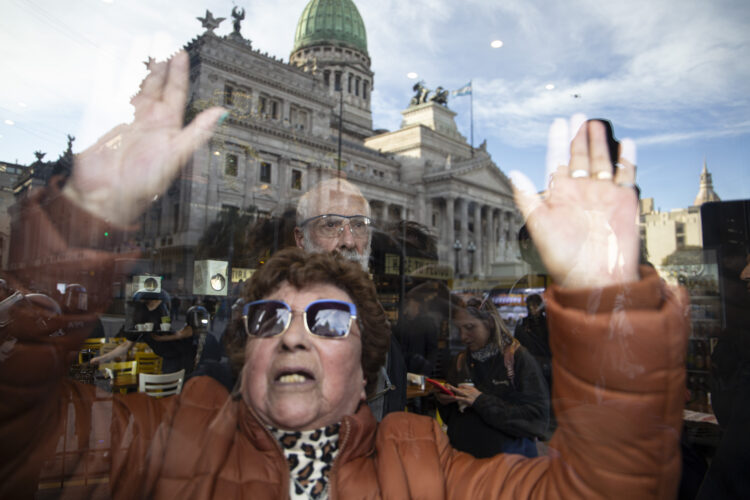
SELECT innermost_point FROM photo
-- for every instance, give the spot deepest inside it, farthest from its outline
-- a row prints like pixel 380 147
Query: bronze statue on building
pixel 422 95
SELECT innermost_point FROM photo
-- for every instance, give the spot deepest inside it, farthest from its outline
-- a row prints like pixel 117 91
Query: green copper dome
pixel 335 22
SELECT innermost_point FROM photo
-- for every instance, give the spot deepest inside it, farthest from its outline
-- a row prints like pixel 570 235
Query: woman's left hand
pixel 466 394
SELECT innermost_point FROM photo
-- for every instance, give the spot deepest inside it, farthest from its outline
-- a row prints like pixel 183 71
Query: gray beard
pixel 352 255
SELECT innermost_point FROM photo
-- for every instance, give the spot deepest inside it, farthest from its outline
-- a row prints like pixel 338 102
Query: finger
pixel 576 121
pixel 600 164
pixel 196 133
pixel 558 152
pixel 106 138
pixel 626 165
pixel 579 153
pixel 524 192
pixel 153 85
pixel 176 87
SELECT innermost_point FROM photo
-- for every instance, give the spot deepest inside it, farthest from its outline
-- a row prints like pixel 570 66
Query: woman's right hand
pixel 444 399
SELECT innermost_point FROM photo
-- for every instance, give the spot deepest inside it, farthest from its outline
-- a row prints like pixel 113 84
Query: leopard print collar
pixel 310 455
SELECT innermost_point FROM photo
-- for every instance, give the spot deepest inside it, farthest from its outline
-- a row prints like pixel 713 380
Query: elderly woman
pixel 296 425
pixel 506 406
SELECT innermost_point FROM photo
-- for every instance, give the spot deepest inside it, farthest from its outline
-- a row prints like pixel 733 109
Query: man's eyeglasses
pixel 332 225
pixel 328 318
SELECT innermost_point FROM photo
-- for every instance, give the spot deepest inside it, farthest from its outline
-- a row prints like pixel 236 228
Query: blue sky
pixel 672 75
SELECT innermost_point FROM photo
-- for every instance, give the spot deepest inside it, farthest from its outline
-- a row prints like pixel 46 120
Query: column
pixel 478 240
pixel 428 214
pixel 464 260
pixel 448 225
pixel 490 236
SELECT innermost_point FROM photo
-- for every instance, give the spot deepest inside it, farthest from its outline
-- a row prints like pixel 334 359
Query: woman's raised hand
pixel 585 226
pixel 119 176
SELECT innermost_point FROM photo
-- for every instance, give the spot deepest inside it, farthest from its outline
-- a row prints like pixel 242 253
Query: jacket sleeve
pixel 50 427
pixel 525 411
pixel 618 364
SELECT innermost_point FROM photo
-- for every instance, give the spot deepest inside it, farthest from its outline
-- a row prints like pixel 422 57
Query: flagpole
pixel 471 115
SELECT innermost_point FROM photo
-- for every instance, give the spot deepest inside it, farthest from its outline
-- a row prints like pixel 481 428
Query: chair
pixel 148 362
pixel 161 385
pixel 114 370
pixel 94 342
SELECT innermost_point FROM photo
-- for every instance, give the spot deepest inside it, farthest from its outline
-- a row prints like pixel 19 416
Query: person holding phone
pixel 501 401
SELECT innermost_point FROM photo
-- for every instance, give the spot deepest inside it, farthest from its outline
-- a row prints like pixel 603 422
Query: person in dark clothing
pixel 150 311
pixel 190 346
pixel 533 334
pixel 501 402
pixel 418 333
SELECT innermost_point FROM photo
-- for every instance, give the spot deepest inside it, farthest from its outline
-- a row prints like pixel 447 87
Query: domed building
pixel 284 134
pixel 331 40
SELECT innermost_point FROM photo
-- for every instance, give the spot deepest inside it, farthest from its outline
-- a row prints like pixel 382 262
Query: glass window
pixel 228 95
pixel 425 208
pixel 231 165
pixel 296 179
pixel 265 172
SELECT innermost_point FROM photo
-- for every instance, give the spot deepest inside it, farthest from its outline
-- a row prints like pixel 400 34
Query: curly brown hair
pixel 301 269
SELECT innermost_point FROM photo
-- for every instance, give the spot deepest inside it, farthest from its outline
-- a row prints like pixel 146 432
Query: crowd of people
pixel 317 380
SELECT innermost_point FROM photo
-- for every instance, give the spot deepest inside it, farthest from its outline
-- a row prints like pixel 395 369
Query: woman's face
pixel 297 381
pixel 474 332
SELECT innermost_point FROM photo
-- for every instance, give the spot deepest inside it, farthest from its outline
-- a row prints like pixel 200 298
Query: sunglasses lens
pixel 266 318
pixel 329 318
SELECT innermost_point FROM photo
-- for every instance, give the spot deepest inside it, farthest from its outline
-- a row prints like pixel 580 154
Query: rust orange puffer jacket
pixel 618 361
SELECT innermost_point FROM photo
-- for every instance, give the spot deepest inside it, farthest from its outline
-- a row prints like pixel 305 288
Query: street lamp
pixel 457 248
pixel 471 249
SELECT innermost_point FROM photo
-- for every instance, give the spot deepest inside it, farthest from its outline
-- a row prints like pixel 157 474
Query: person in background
pixel 333 216
pixel 501 403
pixel 150 311
pixel 417 332
pixel 533 334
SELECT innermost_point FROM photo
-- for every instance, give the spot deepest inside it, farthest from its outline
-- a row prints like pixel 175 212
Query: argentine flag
pixel 465 90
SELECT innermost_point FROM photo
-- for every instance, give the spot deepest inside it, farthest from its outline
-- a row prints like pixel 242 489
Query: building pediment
pixel 481 173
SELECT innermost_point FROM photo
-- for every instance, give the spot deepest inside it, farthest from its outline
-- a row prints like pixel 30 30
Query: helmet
pixel 76 299
pixel 197 317
pixel 46 306
pixel 34 312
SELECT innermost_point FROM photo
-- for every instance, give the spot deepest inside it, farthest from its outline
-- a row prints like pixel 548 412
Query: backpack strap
pixel 509 359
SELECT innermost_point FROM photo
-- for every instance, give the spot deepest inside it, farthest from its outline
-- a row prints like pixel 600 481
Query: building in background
pixel 293 124
pixel 665 233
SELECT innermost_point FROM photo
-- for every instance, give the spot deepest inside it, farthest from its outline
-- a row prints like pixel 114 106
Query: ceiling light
pixel 496 44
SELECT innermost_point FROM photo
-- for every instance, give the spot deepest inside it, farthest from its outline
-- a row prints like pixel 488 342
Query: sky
pixel 673 75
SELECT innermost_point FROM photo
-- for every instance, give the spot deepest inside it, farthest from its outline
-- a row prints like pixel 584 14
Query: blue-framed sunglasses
pixel 327 318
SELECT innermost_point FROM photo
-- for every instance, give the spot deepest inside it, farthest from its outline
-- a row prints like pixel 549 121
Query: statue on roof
pixel 238 14
pixel 39 155
pixel 440 96
pixel 210 22
pixel 422 95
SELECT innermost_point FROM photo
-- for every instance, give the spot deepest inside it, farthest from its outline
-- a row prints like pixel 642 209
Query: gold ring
pixel 603 175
